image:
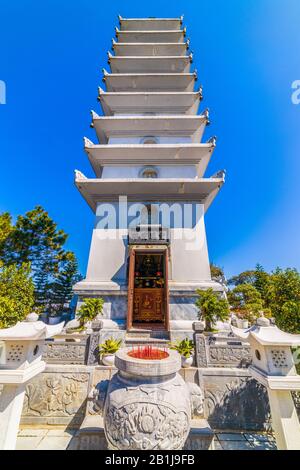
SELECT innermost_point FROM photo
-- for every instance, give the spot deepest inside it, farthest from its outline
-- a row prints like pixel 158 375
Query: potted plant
pixel 108 349
pixel 185 349
pixel 242 321
pixel 89 310
pixel 211 307
pixel 54 316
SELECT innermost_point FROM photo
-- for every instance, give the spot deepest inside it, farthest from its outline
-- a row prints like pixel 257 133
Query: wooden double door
pixel 148 288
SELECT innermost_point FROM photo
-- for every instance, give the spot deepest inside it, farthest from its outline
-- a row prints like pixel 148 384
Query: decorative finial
pixel 212 141
pixel 219 174
pixel 120 18
pixel 206 115
pixel 181 19
pixel 184 31
pixel 200 91
pixel 188 43
pixel 109 56
pixel 191 57
pixel 113 42
pixel 117 31
pixel 94 116
pixel 196 74
pixel 87 142
pixel 79 176
pixel 105 73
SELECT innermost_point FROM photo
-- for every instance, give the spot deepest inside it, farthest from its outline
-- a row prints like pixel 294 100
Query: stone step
pixel 146 342
pixel 139 333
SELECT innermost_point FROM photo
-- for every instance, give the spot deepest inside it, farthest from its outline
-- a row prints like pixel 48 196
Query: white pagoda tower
pixel 148 252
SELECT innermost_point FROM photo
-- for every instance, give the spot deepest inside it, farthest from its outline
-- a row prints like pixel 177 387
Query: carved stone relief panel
pixel 56 398
pixel 235 402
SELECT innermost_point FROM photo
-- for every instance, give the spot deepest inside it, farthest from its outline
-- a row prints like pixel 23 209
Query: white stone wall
pixel 189 261
pixel 164 171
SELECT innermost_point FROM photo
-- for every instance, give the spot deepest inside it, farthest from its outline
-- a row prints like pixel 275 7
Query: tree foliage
pixel 284 299
pixel 246 301
pixel 5 231
pixel 36 239
pixel 16 294
pixel 245 277
pixel 278 291
pixel 217 273
pixel 211 307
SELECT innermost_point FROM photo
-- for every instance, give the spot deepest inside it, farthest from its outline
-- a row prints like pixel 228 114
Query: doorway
pixel 148 289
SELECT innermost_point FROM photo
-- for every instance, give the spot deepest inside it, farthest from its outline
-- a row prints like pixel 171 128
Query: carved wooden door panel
pixel 148 305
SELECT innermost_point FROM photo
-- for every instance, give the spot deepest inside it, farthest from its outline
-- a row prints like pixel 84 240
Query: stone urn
pixel 148 404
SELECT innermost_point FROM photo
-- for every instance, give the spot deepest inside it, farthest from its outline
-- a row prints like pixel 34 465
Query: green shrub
pixel 211 307
pixel 90 309
pixel 110 346
pixel 184 347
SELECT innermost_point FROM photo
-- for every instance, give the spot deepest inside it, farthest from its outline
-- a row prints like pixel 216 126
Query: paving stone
pixel 54 443
pixel 28 443
pixel 259 445
pixel 236 445
pixel 231 436
pixel 61 432
pixel 259 437
pixel 73 444
pixel 217 445
pixel 32 432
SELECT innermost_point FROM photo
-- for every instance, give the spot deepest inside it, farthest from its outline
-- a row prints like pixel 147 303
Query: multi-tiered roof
pixel 150 92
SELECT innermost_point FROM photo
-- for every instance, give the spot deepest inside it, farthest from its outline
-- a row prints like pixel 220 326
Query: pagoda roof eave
pixel 157 102
pixel 176 36
pixel 146 24
pixel 144 64
pixel 191 126
pixel 138 49
pixel 201 190
pixel 153 154
pixel 267 336
pixel 149 81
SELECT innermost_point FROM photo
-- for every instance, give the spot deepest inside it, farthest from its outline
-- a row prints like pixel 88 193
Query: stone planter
pixel 147 405
pixel 244 324
pixel 186 361
pixel 54 320
pixel 108 360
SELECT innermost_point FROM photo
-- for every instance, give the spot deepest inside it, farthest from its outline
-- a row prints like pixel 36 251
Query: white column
pixel 11 404
pixel 285 421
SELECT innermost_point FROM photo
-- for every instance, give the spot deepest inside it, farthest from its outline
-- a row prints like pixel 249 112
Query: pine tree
pixel 36 239
pixel 61 288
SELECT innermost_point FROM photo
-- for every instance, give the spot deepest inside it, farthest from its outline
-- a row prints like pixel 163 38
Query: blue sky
pixel 247 56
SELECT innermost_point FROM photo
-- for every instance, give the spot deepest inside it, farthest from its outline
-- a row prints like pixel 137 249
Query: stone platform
pixel 59 438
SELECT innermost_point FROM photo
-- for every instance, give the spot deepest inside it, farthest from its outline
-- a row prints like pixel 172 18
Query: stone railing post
pixel 21 348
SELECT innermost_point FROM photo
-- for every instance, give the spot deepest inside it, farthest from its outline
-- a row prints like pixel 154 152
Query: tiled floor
pixel 59 439
pixel 244 441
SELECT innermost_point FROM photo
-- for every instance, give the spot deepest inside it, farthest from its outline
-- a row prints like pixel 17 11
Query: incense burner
pixel 148 406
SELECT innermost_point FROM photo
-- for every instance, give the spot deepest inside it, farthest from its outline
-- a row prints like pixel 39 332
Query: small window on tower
pixel 149 140
pixel 149 172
